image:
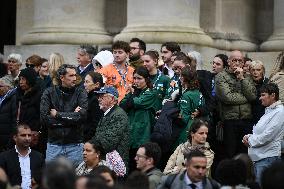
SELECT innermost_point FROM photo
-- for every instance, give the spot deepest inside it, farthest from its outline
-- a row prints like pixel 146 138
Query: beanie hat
pixel 30 75
pixel 104 58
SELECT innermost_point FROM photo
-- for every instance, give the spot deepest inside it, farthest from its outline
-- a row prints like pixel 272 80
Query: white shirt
pixel 170 71
pixel 81 68
pixel 188 182
pixel 267 133
pixel 25 169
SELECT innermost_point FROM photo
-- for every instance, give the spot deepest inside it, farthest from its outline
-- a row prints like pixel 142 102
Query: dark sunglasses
pixel 30 65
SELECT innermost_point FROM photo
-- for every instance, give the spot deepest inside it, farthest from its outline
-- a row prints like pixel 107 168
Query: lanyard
pixel 157 79
pixel 123 75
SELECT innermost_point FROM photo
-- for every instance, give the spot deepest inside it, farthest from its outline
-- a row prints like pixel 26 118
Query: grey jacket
pixel 154 176
pixel 179 183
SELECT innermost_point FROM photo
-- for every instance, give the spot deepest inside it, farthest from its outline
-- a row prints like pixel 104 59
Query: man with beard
pixel 63 110
pixel 137 49
pixel 168 49
pixel 22 164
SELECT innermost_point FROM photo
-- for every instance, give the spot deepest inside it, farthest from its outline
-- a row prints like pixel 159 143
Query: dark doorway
pixel 7 23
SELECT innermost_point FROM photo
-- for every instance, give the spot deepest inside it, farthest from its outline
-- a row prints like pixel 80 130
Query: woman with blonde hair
pixel 55 61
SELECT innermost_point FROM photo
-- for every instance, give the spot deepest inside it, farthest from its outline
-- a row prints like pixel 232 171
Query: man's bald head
pixel 236 59
pixel 236 53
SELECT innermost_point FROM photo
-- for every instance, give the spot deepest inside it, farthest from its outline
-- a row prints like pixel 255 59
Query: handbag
pixel 116 163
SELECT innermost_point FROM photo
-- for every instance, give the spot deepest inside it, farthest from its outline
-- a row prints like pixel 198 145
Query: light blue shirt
pixel 188 182
pixel 267 133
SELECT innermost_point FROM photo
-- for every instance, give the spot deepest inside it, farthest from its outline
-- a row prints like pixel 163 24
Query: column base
pixel 274 43
pixel 159 35
pixel 228 45
pixel 66 36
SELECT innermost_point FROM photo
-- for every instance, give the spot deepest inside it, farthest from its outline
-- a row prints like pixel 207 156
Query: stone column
pixel 159 21
pixel 68 22
pixel 231 23
pixel 276 41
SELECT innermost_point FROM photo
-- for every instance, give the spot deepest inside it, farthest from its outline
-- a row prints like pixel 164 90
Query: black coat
pixel 67 126
pixel 8 111
pixel 94 114
pixel 30 106
pixel 9 161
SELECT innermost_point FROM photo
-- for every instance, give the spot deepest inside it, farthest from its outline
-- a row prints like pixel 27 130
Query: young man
pixel 167 51
pixel 22 164
pixel 63 109
pixel 137 49
pixel 147 157
pixel 119 74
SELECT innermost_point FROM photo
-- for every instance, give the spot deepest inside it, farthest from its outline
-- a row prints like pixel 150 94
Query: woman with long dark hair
pixel 140 103
pixel 196 139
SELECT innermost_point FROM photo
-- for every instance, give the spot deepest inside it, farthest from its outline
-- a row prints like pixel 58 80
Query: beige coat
pixel 176 162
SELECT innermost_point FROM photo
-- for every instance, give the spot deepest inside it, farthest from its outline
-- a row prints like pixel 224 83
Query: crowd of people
pixel 131 118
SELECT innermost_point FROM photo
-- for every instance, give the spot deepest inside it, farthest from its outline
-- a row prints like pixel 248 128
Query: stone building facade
pixel 255 27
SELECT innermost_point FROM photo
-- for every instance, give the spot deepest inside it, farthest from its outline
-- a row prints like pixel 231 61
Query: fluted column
pixel 276 41
pixel 164 20
pixel 231 23
pixel 68 22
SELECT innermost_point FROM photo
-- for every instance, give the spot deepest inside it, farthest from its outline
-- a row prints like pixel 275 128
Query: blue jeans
pixel 262 164
pixel 73 152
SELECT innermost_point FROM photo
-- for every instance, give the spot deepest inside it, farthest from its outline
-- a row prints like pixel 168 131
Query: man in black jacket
pixel 22 164
pixel 63 110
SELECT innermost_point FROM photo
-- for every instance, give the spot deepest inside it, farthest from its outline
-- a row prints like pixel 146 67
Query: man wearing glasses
pixel 147 157
pixel 137 49
pixel 235 91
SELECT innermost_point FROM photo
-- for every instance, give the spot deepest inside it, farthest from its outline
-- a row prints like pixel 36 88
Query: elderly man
pixel 235 91
pixel 63 109
pixel 112 130
pixel 194 177
pixel 264 144
pixel 22 164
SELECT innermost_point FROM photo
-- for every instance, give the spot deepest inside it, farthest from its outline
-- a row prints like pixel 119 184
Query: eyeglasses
pixel 141 156
pixel 235 60
pixel 30 65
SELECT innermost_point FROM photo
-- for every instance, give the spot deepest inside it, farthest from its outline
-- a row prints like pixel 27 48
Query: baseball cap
pixel 110 90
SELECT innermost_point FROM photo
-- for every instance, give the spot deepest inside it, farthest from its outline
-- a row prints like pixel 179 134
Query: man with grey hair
pixel 112 130
pixel 14 65
pixel 85 55
pixel 63 109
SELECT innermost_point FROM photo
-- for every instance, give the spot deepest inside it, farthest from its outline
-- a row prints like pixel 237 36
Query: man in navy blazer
pixel 85 56
pixel 22 164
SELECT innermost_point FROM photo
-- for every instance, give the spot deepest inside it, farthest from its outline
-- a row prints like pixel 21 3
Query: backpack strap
pixel 169 181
